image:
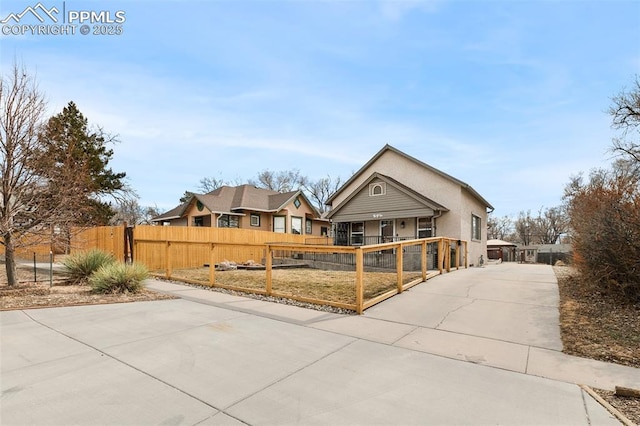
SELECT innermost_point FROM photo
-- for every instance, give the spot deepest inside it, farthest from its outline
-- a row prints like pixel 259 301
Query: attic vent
pixel 376 189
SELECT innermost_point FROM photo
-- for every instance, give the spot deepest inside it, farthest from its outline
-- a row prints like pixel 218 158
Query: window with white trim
pixel 296 225
pixel 476 231
pixel 255 219
pixel 280 224
pixel 357 233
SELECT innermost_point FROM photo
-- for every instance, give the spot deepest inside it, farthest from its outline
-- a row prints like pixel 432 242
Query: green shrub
pixel 80 266
pixel 118 278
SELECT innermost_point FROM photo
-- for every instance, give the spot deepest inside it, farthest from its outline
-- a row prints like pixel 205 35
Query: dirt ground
pixel 592 326
pixel 595 326
pixel 28 294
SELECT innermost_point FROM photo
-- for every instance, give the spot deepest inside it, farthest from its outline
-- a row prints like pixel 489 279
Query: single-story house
pixel 395 196
pixel 501 250
pixel 248 207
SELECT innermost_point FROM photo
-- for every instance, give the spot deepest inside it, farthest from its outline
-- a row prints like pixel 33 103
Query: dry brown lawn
pixel 331 286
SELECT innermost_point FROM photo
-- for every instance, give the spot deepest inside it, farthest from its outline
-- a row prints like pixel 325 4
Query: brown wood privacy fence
pixel 190 247
pixel 189 244
pixel 53 241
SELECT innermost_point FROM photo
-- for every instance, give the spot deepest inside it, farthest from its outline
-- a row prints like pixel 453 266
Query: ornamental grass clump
pixel 118 278
pixel 80 266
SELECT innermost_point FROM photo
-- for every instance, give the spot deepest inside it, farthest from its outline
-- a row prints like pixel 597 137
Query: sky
pixel 510 97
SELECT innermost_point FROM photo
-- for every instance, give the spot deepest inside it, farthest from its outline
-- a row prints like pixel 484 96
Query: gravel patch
pixel 274 299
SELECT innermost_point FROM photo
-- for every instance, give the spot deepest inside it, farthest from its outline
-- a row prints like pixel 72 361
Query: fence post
pixel 447 256
pixel 50 268
pixel 167 253
pixel 399 268
pixel 359 280
pixel 212 266
pixel 440 254
pixel 267 266
pixel 423 260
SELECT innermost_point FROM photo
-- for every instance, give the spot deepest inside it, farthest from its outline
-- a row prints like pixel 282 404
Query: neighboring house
pixel 395 196
pixel 248 207
pixel 501 250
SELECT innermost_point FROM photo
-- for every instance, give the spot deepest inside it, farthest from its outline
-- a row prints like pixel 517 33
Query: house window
pixel 476 233
pixel 228 221
pixel 255 220
pixel 198 221
pixel 357 233
pixel 296 203
pixel 279 224
pixel 424 227
pixel 324 231
pixel 308 226
pixel 379 188
pixel 296 225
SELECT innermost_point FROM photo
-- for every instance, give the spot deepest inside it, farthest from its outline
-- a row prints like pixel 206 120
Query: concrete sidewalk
pixel 428 356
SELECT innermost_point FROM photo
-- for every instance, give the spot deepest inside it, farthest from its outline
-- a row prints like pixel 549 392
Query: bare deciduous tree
pixel 128 210
pixel 499 228
pixel 546 228
pixel 551 224
pixel 53 173
pixel 208 184
pixel 320 190
pixel 22 107
pixel 625 113
pixel 283 181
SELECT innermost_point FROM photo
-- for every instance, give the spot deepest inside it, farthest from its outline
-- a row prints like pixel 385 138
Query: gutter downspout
pixel 433 222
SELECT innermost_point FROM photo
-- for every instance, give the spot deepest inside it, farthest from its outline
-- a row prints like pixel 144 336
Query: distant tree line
pixel 547 227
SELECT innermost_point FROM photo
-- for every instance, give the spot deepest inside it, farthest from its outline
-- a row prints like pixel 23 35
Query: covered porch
pixel 383 230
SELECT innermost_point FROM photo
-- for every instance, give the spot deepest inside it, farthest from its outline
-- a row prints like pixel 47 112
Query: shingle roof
pixel 174 213
pixel 233 199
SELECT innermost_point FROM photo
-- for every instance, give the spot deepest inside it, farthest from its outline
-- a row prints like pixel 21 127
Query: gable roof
pixel 388 147
pixel 427 202
pixel 234 199
pixel 174 213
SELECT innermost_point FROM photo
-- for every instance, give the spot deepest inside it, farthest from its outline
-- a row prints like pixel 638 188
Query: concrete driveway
pixel 428 356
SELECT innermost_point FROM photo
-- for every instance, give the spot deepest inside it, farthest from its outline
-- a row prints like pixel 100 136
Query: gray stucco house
pixel 395 196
